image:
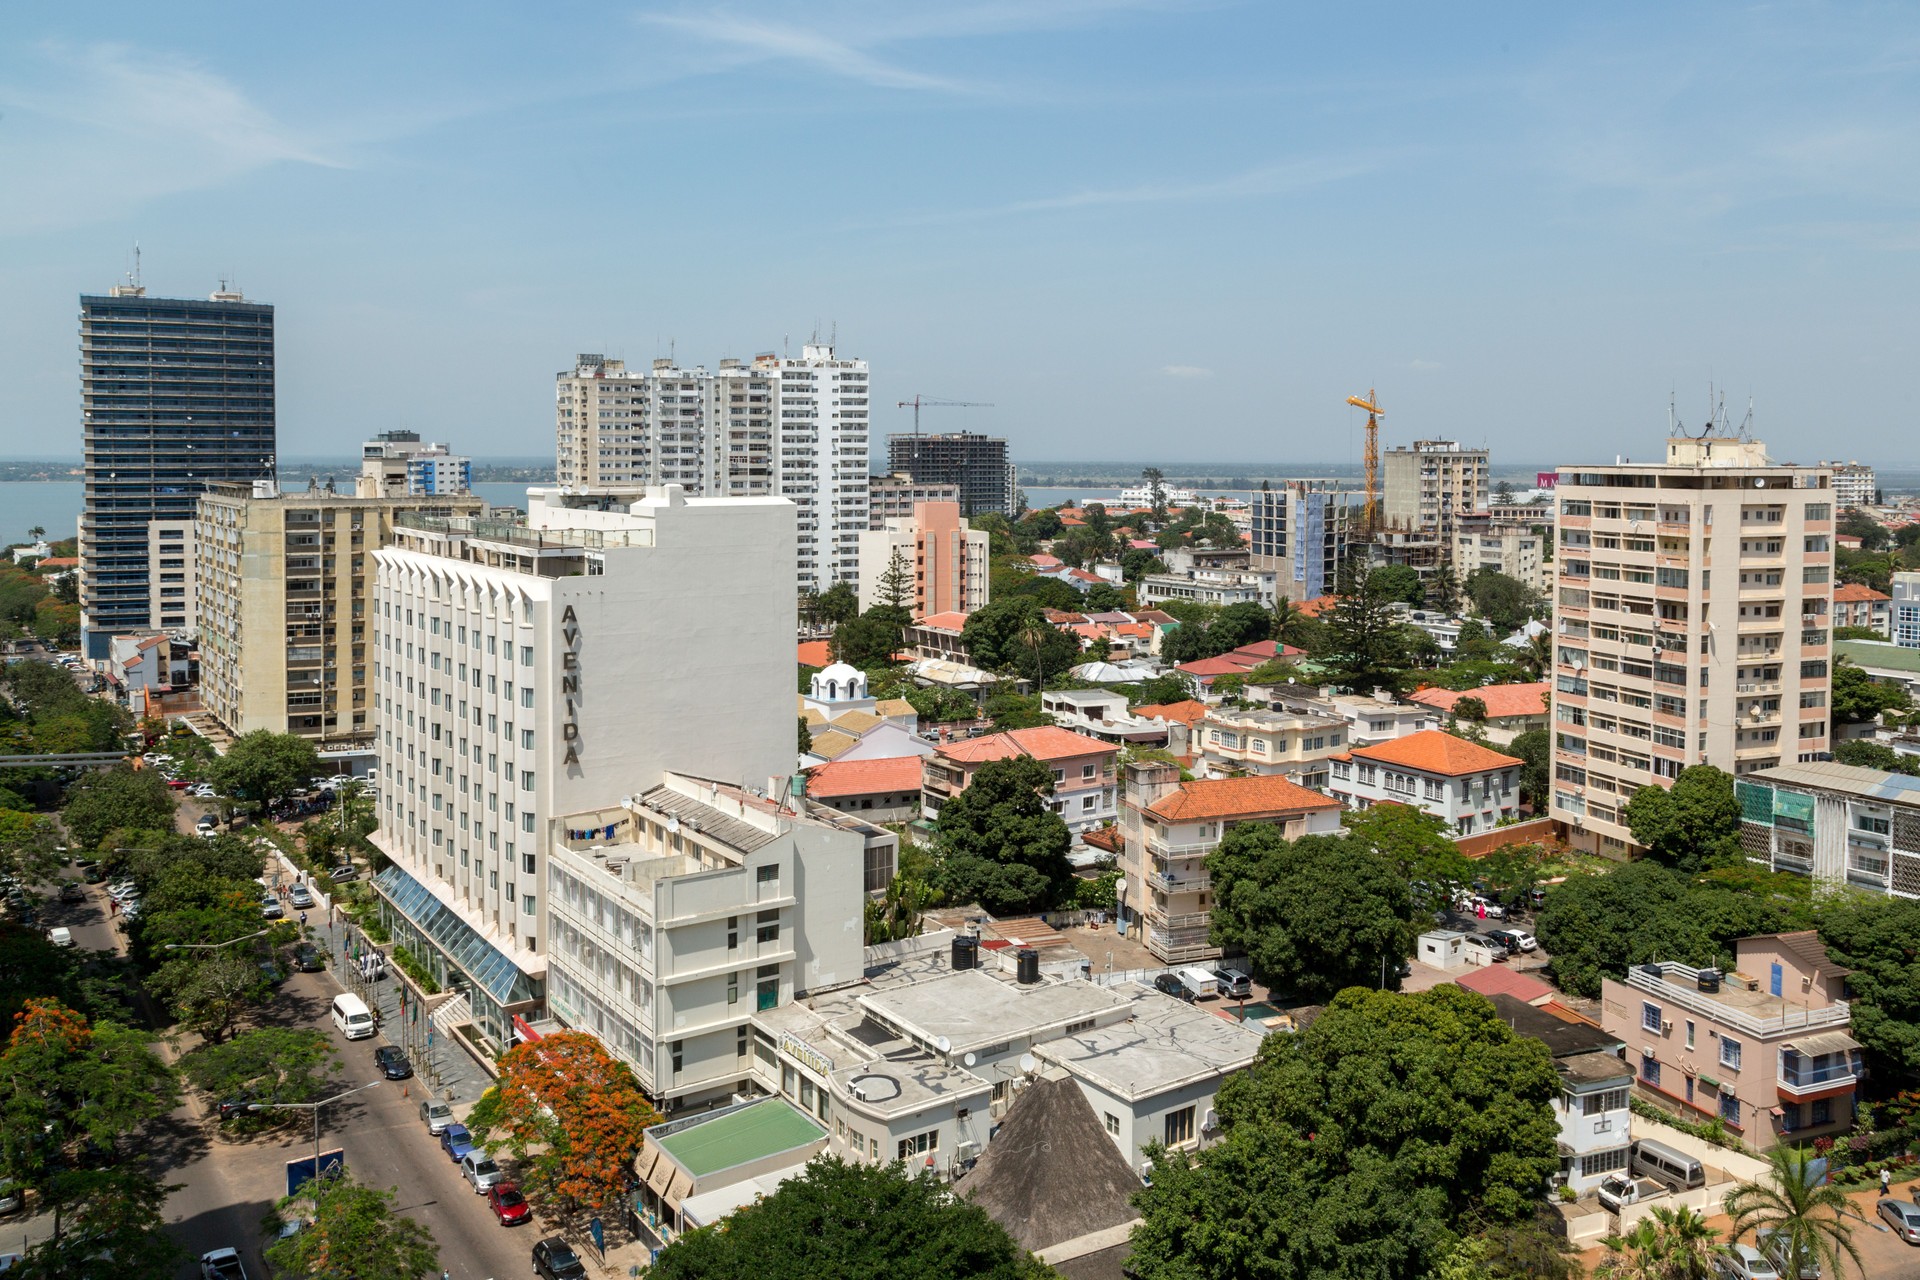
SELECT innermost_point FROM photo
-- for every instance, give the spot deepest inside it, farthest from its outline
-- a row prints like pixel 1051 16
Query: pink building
pixel 1084 784
pixel 1764 1047
pixel 945 556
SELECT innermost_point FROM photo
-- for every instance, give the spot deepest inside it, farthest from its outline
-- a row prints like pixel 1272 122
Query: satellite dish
pixel 1028 1062
pixel 969 1060
pixel 943 1044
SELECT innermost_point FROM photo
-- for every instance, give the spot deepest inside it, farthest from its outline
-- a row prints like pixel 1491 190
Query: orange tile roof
pixel 1044 561
pixel 943 621
pixel 1107 838
pixel 67 562
pixel 1845 593
pixel 1187 712
pixel 1315 607
pixel 1498 980
pixel 1248 797
pixel 815 653
pixel 1436 751
pixel 1502 700
pixel 1048 742
pixel 863 777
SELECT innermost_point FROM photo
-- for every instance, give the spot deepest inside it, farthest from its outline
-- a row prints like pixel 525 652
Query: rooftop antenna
pixel 1673 421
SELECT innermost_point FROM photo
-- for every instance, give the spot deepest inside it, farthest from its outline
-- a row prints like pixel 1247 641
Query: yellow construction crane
pixel 1370 521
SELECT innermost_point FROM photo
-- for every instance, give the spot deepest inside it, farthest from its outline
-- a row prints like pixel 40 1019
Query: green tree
pixel 1692 825
pixel 1013 635
pixel 1361 1148
pixel 1000 844
pixel 1418 848
pixel 1875 936
pixel 839 603
pixel 117 799
pixel 348 1220
pixel 1503 494
pixel 27 850
pixel 1363 647
pixel 1239 624
pixel 1860 699
pixel 210 995
pixel 1015 711
pixel 63 1081
pixel 1443 587
pixel 1672 1244
pixel 1507 603
pixel 1315 914
pixel 1159 691
pixel 1157 489
pixel 1399 582
pixel 1857 524
pixel 1864 753
pixel 262 767
pixel 869 640
pixel 806 736
pixel 1535 750
pixel 1799 1204
pixel 852 1222
pixel 267 1064
pixel 896 583
pixel 1139 562
pixel 113 1213
pixel 1472 710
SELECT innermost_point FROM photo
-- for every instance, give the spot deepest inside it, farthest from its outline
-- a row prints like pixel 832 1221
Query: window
pixel 1689 1033
pixel 526 739
pixel 769 874
pixel 1729 1052
pixel 1603 1162
pixel 1789 1116
pixel 1729 1107
pixel 526 779
pixel 1649 1016
pixel 526 905
pixel 920 1144
pixel 1113 1122
pixel 1593 1104
pixel 1650 1070
pixel 1179 1126
pixel 1822 1111
pixel 733 988
pixel 1087 772
pixel 767 933
pixel 526 696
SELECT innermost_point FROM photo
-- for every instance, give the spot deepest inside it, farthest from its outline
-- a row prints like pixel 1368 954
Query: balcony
pixel 1195 850
pixel 1807 1072
pixel 1179 884
pixel 1185 920
pixel 1735 1008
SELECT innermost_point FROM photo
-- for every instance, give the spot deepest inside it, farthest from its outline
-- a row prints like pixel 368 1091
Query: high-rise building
pixel 1854 485
pixel 284 581
pixel 1691 618
pixel 894 498
pixel 175 393
pixel 1300 531
pixel 1430 484
pixel 792 427
pixel 521 672
pixel 1904 613
pixel 397 464
pixel 171 570
pixel 944 558
pixel 978 464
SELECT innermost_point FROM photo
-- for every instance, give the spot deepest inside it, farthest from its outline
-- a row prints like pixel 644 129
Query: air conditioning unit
pixel 967 1151
pixel 1211 1120
pixel 1666 1026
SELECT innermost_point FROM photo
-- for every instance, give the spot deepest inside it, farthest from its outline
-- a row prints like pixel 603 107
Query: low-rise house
pixel 1512 709
pixel 1084 784
pixel 1837 823
pixel 1285 743
pixel 1765 1047
pixel 1469 787
pixel 1595 1084
pixel 1369 719
pixel 1169 827
pixel 938 636
pixel 883 790
pixel 1102 714
pixel 143 667
pixel 1855 605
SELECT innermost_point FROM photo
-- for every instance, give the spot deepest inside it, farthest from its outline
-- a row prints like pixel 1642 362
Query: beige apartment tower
pixel 1429 486
pixel 283 582
pixel 1691 609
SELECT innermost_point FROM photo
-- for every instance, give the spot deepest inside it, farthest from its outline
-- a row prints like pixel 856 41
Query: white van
pixel 1200 983
pixel 1678 1170
pixel 351 1016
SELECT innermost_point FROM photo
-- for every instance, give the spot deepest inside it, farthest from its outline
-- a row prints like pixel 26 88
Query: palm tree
pixel 1672 1244
pixel 1537 656
pixel 1283 616
pixel 1444 587
pixel 1794 1201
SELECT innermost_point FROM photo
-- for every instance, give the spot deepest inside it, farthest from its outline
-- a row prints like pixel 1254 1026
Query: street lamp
pixel 214 946
pixel 315 1108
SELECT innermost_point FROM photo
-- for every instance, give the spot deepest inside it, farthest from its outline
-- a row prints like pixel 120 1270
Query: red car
pixel 508 1204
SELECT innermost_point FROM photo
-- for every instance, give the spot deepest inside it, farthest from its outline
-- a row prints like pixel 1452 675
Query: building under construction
pixel 977 463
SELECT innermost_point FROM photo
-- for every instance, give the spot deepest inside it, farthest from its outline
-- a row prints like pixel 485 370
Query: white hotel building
pixel 522 672
pixel 792 427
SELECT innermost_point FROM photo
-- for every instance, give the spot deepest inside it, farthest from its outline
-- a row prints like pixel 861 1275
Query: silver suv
pixel 478 1168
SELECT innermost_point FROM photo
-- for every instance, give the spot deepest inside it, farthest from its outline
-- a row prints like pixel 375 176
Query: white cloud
pixel 756 41
pixel 94 132
pixel 1186 371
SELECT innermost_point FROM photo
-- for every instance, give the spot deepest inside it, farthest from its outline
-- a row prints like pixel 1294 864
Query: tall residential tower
pixel 175 393
pixel 1691 614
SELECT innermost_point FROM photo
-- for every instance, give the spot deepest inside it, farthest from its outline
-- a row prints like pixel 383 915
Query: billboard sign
pixel 300 1172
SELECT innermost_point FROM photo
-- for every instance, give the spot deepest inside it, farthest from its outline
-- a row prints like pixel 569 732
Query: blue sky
pixel 1144 229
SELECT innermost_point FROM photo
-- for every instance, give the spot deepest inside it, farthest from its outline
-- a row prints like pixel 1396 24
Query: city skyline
pixel 1118 221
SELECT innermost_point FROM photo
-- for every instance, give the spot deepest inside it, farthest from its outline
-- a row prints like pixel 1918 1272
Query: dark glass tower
pixel 978 464
pixel 175 393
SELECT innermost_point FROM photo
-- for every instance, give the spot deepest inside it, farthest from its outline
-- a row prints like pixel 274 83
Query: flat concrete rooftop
pixel 1165 1044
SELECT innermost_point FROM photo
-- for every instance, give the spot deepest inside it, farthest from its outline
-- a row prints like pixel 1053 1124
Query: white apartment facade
pixel 792 427
pixel 1467 786
pixel 1511 549
pixel 1855 487
pixel 678 914
pixel 1692 611
pixel 171 564
pixel 524 671
pixel 1904 613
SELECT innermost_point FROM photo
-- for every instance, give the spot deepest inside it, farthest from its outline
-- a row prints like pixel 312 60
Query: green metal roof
pixel 737 1137
pixel 1878 653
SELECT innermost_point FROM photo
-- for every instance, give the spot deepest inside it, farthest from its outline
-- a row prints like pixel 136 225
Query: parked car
pixel 222 1264
pixel 270 908
pixel 234 1108
pixel 345 871
pixel 207 820
pixel 60 936
pixel 1234 984
pixel 393 1064
pixel 1169 984
pixel 1493 950
pixel 90 871
pixel 300 897
pixel 1776 1245
pixel 555 1259
pixel 1904 1218
pixel 456 1141
pixel 307 959
pixel 123 889
pixel 71 892
pixel 1493 909
pixel 12 1198
pixel 438 1116
pixel 479 1168
pixel 508 1204
pixel 1514 940
pixel 1744 1262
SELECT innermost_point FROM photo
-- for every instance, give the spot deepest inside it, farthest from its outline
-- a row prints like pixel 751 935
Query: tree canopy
pixel 999 843
pixel 1362 1148
pixel 1860 699
pixel 1400 582
pixel 264 766
pixel 346 1219
pixel 1878 937
pixel 118 799
pixel 1315 914
pixel 852 1222
pixel 266 1064
pixel 1012 634
pixel 1507 603
pixel 1692 825
pixel 1363 648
